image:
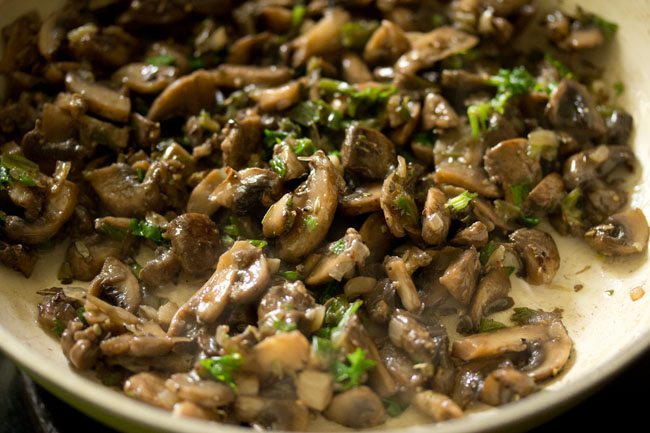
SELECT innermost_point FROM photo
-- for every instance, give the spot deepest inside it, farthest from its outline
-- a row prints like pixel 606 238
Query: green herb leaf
pixel 331 290
pixel 311 222
pixel 489 325
pixel 529 221
pixel 338 247
pixel 278 166
pixel 283 326
pixel 115 233
pixel 608 28
pixel 80 314
pixel 297 16
pixel 208 123
pixel 561 68
pixel 58 328
pixel 461 201
pixel 258 243
pixel 5 178
pixel 162 60
pixel 394 407
pixel 619 88
pixel 324 350
pixel 304 147
pixel 353 373
pixel 291 275
pixel 519 193
pixel 406 205
pixel 335 308
pixel 510 270
pixel 424 137
pixel 145 229
pixel 478 115
pixel 310 113
pixel 487 252
pixel 571 211
pixel 141 173
pixel 355 34
pixel 522 315
pixel 223 368
pixel 271 138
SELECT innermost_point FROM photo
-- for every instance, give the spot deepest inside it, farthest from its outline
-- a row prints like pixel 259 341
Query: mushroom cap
pixel 621 234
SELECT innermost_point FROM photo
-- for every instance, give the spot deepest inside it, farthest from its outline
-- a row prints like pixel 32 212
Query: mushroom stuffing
pixel 274 210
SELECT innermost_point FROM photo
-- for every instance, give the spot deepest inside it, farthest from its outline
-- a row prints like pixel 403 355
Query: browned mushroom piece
pixel 315 201
pixel 278 98
pixel 186 95
pixel 53 31
pixel 145 78
pixel 493 288
pixel 205 393
pixel 80 346
pixel 137 346
pixel 86 256
pixel 354 69
pixel 59 205
pixel 241 139
pixel 322 38
pixel 271 413
pixel 280 217
pixel 402 368
pixel 621 234
pixel 18 257
pixel 377 237
pixel 363 199
pixel 436 218
pixel 404 286
pixel 357 408
pixel 117 285
pixel 121 191
pixel 475 235
pixel 247 190
pixel 437 113
pixel 199 200
pixel 241 276
pixel 163 268
pixel 547 195
pixel 386 44
pixel 397 200
pixel 508 163
pixel 594 163
pixel 407 333
pixel 56 308
pixel 239 76
pixel 340 259
pixel 290 304
pixel 150 388
pixel 539 253
pixel 505 385
pixel 573 109
pixel 434 46
pixel 367 153
pixel 461 276
pixel 100 99
pixel 438 407
pixel 194 241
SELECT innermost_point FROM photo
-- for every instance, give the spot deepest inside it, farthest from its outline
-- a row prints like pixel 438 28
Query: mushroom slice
pixel 621 234
pixel 272 414
pixel 315 201
pixel 150 388
pixel 357 408
pixel 340 260
pixel 432 47
pixel 367 153
pixel 315 389
pixel 241 141
pixel 547 195
pixel 438 407
pixel 59 205
pixel 137 346
pixel 199 201
pixel 205 393
pixel 122 193
pixel 117 285
pixel 492 287
pixel 397 202
pixel 323 37
pixel 53 32
pixel 278 98
pixel 509 164
pixel 437 113
pixel 195 242
pixel 241 276
pixel 597 162
pixel 364 199
pixel 539 253
pixel 386 44
pixel 271 357
pixel 280 217
pixel 354 70
pixel 247 190
pixel 186 96
pixel 571 108
pixel 238 76
pixel 407 333
pixel 404 286
pixel 100 99
pixel 547 342
pixel 436 218
pixel 295 168
pixel 505 385
pixel 476 235
pixel 461 276
pixel 19 258
pixel 145 78
pixel 376 236
pixel 87 255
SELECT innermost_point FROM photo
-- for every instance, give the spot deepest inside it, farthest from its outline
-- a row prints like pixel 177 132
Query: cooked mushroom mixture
pixel 330 178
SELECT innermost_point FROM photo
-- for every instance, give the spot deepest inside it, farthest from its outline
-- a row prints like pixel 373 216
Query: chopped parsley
pixel 522 315
pixel 529 221
pixel 223 368
pixel 297 17
pixel 147 230
pixel 608 28
pixel 461 201
pixel 58 327
pixel 140 173
pixel 311 222
pixel 406 205
pixel 352 373
pixel 487 252
pixel 489 325
pixel 17 167
pixel 290 275
pixel 561 68
pixel 278 166
pixel 394 407
pixel 355 34
pixel 283 326
pixel 519 193
pixel 311 113
pixel 304 147
pixel 338 247
pixel 619 88
pixel 80 315
pixel 258 243
pixel 162 60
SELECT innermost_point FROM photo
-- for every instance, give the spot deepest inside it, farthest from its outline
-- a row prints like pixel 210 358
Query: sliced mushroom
pixel 573 109
pixel 18 257
pixel 271 353
pixel 117 285
pixel 315 389
pixel 436 218
pixel 137 346
pixel 621 234
pixel 146 78
pixel 109 47
pixel 340 260
pixel 323 37
pixel 476 235
pixel 505 385
pixel 437 406
pixel 386 44
pixel 199 201
pixel 160 270
pixel 376 236
pixel 434 46
pixel 619 125
pixel 205 393
pixel 402 368
pixel 315 201
pixel 59 205
pixel 122 193
pixel 367 153
pixel 100 99
pixel 80 346
pixel 461 276
pixel 239 76
pixel 280 217
pixel 241 140
pixel 509 164
pixel 404 286
pixel 547 195
pixel 492 288
pixel 56 308
pixel 150 388
pixel 354 69
pixel 437 113
pixel 539 253
pixel 241 276
pixel 595 163
pixel 195 242
pixel 364 199
pixel 274 414
pixel 548 344
pixel 278 98
pixel 288 303
pixel 186 96
pixel 246 191
pixel 356 408
pixel 407 333
pixel 86 256
pixel 397 202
